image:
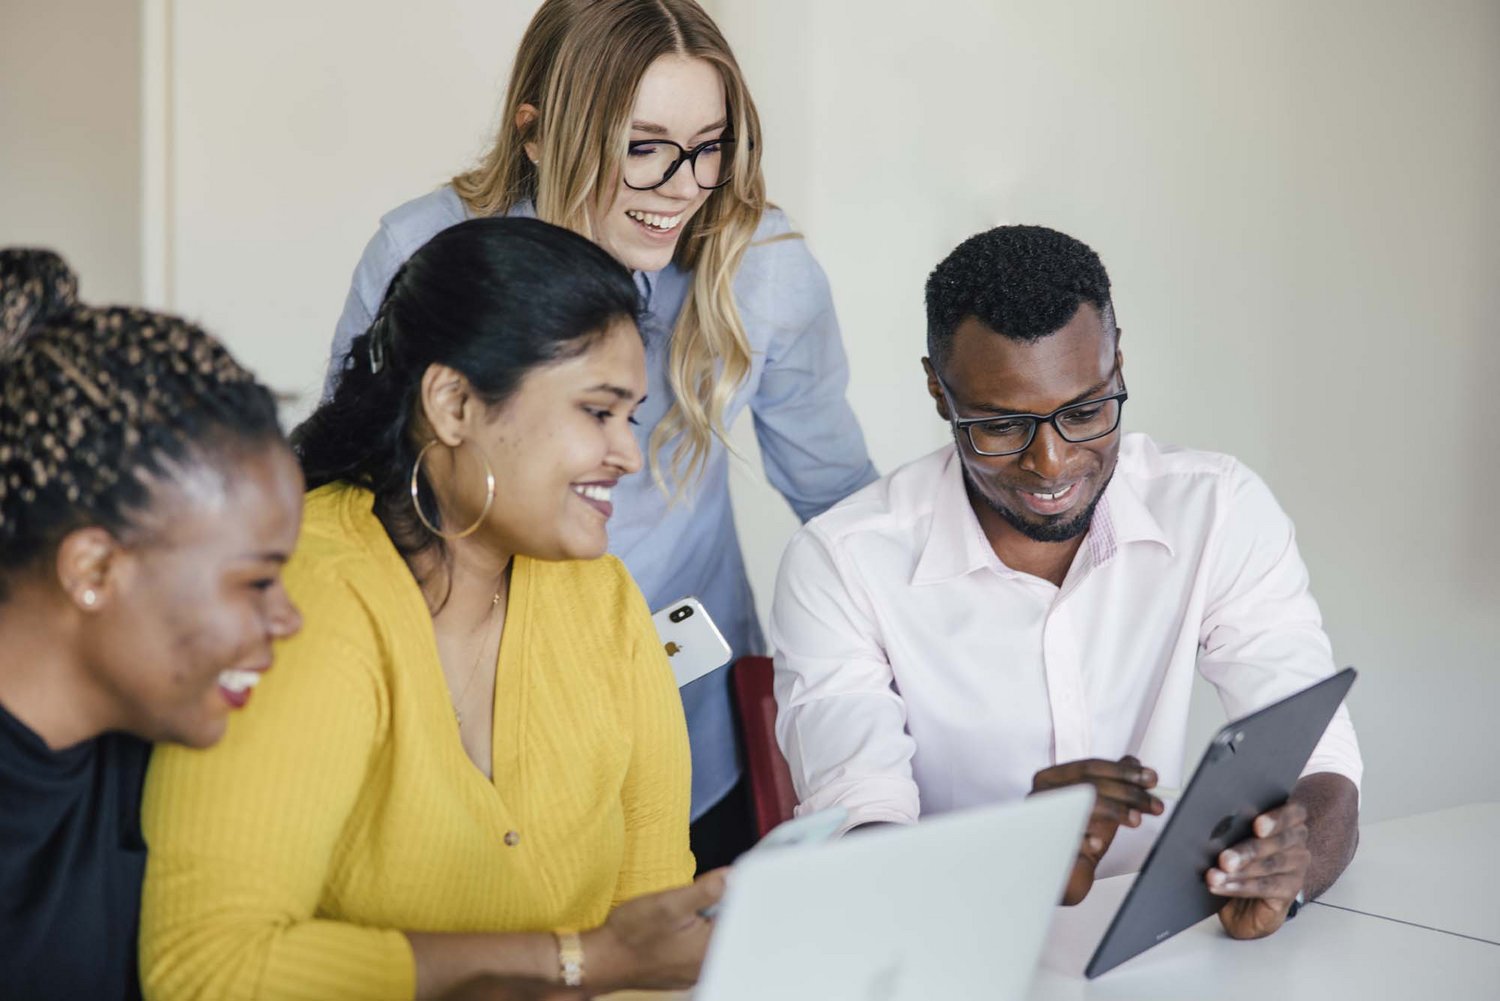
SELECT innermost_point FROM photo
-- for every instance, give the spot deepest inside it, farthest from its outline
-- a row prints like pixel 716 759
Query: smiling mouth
pixel 597 496
pixel 654 222
pixel 593 491
pixel 1051 502
pixel 235 684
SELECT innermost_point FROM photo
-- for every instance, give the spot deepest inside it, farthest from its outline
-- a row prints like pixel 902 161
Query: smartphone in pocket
pixel 693 643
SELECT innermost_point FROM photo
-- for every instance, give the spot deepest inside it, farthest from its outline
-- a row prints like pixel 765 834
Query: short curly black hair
pixel 1023 282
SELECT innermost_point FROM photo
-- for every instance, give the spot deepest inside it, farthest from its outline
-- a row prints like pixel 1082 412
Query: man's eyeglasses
pixel 650 163
pixel 1013 433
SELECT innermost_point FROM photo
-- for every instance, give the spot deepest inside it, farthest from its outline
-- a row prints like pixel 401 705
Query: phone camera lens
pixel 678 614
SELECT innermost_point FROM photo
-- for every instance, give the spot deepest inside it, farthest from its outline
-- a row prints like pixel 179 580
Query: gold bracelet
pixel 570 958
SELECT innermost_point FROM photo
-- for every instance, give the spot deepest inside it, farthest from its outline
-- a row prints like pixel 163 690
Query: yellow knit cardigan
pixel 340 809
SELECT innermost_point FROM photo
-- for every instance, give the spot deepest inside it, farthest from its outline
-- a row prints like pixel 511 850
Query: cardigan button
pixel 512 838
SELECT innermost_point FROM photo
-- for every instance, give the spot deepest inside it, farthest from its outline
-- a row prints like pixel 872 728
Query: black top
pixel 71 862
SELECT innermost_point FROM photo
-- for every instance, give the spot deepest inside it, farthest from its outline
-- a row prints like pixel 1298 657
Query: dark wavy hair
pixel 97 404
pixel 492 298
pixel 1023 282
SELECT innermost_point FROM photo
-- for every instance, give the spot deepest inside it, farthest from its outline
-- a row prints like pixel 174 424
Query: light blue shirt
pixel 810 443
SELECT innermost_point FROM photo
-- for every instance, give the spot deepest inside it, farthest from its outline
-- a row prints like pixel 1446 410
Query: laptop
pixel 954 907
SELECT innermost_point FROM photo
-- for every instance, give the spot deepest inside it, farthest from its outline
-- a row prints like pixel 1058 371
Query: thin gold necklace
pixel 474 671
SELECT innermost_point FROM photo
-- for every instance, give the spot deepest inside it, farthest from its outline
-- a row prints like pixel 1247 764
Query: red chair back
pixel 770 779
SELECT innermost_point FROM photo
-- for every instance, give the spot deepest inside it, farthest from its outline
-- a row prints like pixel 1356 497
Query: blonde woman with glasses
pixel 628 121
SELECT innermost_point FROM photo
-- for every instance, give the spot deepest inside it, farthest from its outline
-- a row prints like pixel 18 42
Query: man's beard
pixel 1052 531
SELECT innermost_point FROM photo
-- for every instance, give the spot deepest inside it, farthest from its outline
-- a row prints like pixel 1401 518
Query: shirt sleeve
pixel 1262 637
pixel 839 720
pixel 658 785
pixel 376 267
pixel 811 445
pixel 242 835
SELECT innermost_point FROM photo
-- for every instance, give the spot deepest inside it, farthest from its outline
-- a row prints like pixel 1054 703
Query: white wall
pixel 294 127
pixel 1299 207
pixel 70 143
pixel 1297 201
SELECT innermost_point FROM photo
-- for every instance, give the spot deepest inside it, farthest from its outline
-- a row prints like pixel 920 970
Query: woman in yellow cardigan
pixel 475 748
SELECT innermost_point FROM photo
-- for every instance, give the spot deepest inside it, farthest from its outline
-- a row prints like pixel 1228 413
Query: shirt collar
pixel 1121 518
pixel 956 544
pixel 645 284
pixel 645 281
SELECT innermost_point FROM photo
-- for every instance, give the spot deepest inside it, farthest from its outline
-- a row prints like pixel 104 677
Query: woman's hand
pixel 490 987
pixel 656 942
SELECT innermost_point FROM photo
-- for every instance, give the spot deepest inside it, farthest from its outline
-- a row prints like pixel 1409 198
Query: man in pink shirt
pixel 1026 608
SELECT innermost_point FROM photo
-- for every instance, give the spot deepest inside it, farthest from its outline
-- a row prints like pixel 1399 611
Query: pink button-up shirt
pixel 916 673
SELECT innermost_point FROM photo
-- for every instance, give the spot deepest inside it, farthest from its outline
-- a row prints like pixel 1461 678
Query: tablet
pixel 1250 767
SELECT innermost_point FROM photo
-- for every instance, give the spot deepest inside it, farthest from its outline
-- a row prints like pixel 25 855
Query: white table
pixel 1325 954
pixel 1416 915
pixel 1437 870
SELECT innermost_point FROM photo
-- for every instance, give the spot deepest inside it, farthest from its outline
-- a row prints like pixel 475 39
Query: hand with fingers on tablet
pixel 1263 874
pixel 1298 848
pixel 1121 797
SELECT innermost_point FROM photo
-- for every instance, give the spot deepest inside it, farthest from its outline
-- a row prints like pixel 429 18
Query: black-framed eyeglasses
pixel 650 163
pixel 1009 434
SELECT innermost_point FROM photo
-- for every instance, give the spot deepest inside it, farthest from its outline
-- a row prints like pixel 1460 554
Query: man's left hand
pixel 1263 874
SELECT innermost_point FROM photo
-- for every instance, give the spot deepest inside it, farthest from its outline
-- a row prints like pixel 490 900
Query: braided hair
pixel 96 404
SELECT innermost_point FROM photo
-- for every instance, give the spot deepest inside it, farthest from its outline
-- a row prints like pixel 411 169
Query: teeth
pixel 592 491
pixel 1049 497
pixel 661 222
pixel 238 681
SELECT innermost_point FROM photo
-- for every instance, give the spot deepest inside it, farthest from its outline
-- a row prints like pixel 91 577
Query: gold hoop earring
pixel 416 502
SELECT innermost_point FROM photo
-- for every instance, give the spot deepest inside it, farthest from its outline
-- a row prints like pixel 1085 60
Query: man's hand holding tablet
pixel 1264 874
pixel 1296 854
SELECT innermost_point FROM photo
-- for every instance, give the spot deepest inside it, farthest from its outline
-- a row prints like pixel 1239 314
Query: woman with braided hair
pixel 473 759
pixel 147 504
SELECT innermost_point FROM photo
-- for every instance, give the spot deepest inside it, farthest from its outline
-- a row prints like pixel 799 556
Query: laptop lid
pixel 956 906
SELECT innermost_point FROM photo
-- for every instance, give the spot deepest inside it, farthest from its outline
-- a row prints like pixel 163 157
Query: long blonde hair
pixel 580 65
